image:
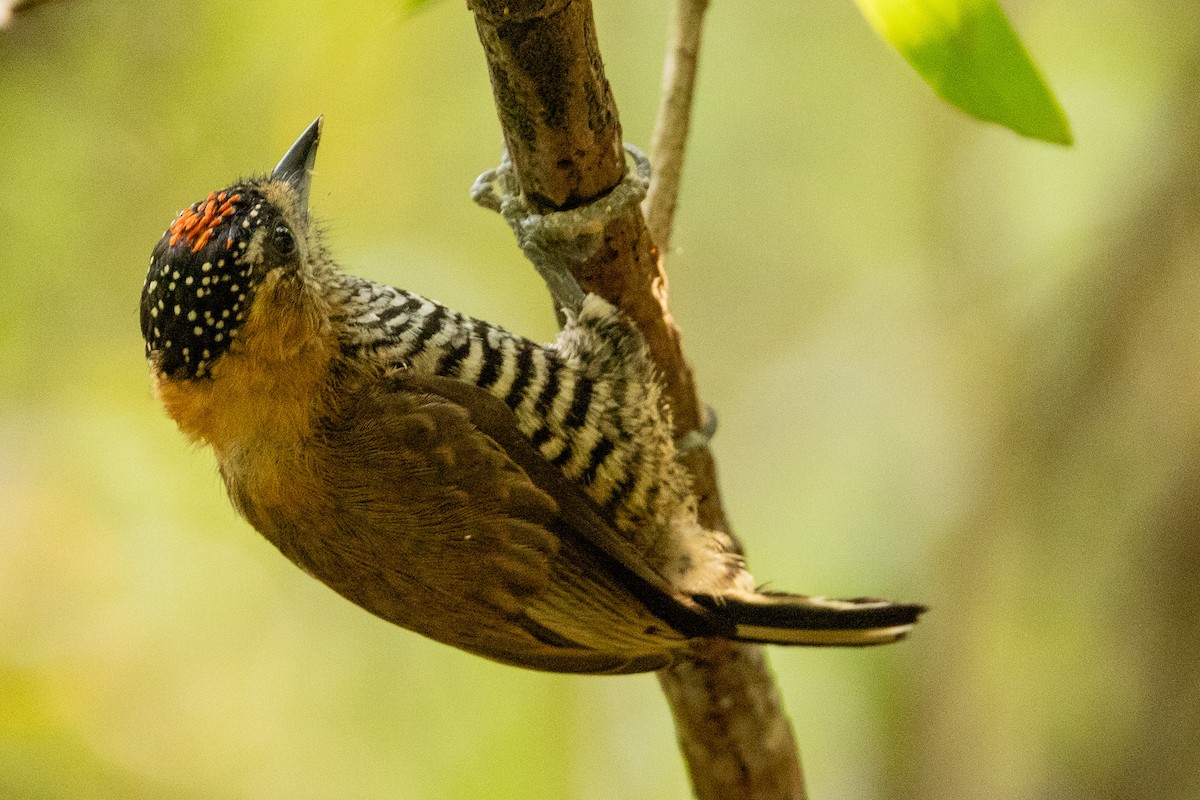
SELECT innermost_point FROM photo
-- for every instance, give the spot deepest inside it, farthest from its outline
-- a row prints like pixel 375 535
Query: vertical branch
pixel 564 138
pixel 731 724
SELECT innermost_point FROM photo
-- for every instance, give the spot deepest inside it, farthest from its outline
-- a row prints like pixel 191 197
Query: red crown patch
pixel 196 225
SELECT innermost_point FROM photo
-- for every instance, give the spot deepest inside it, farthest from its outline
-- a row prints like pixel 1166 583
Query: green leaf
pixel 971 56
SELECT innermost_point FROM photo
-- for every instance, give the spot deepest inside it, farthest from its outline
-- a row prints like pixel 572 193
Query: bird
pixel 519 501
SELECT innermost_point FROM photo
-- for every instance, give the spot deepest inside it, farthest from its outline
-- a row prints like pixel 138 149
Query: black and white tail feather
pixel 781 618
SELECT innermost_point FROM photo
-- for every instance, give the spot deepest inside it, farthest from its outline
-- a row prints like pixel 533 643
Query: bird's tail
pixel 780 618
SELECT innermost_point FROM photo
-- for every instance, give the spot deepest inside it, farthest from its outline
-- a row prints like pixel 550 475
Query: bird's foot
pixel 700 437
pixel 555 240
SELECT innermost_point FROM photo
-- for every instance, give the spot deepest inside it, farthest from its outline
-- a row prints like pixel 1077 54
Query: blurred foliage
pixel 951 366
pixel 968 52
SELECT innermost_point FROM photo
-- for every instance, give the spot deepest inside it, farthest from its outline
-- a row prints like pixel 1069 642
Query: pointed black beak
pixel 296 165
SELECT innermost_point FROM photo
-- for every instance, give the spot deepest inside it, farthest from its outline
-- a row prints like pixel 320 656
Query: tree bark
pixel 563 135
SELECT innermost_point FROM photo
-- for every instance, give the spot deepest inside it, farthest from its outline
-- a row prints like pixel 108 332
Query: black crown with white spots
pixel 200 284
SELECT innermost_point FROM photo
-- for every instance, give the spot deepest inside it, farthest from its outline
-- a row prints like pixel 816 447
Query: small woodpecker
pixel 519 501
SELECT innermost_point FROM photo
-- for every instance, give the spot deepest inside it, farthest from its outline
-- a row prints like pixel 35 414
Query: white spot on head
pixel 206 266
pixel 198 330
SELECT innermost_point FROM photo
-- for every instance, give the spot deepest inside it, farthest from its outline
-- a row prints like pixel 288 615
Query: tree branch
pixel 564 138
pixel 674 116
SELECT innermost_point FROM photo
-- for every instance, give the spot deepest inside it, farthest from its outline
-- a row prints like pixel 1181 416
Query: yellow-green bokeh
pixel 951 365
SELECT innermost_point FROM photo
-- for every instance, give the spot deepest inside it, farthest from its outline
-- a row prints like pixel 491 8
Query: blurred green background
pixel 952 366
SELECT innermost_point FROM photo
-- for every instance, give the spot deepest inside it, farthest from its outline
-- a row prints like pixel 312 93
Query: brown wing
pixel 579 522
pixel 432 524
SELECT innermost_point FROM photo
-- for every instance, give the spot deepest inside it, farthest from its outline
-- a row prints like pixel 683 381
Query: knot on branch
pixel 556 240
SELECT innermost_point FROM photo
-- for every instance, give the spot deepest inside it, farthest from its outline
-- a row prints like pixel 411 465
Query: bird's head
pixel 243 255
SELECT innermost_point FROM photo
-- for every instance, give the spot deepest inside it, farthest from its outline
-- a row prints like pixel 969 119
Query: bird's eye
pixel 283 240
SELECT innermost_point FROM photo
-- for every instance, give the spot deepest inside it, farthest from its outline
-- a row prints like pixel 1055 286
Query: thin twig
pixel 725 686
pixel 674 116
